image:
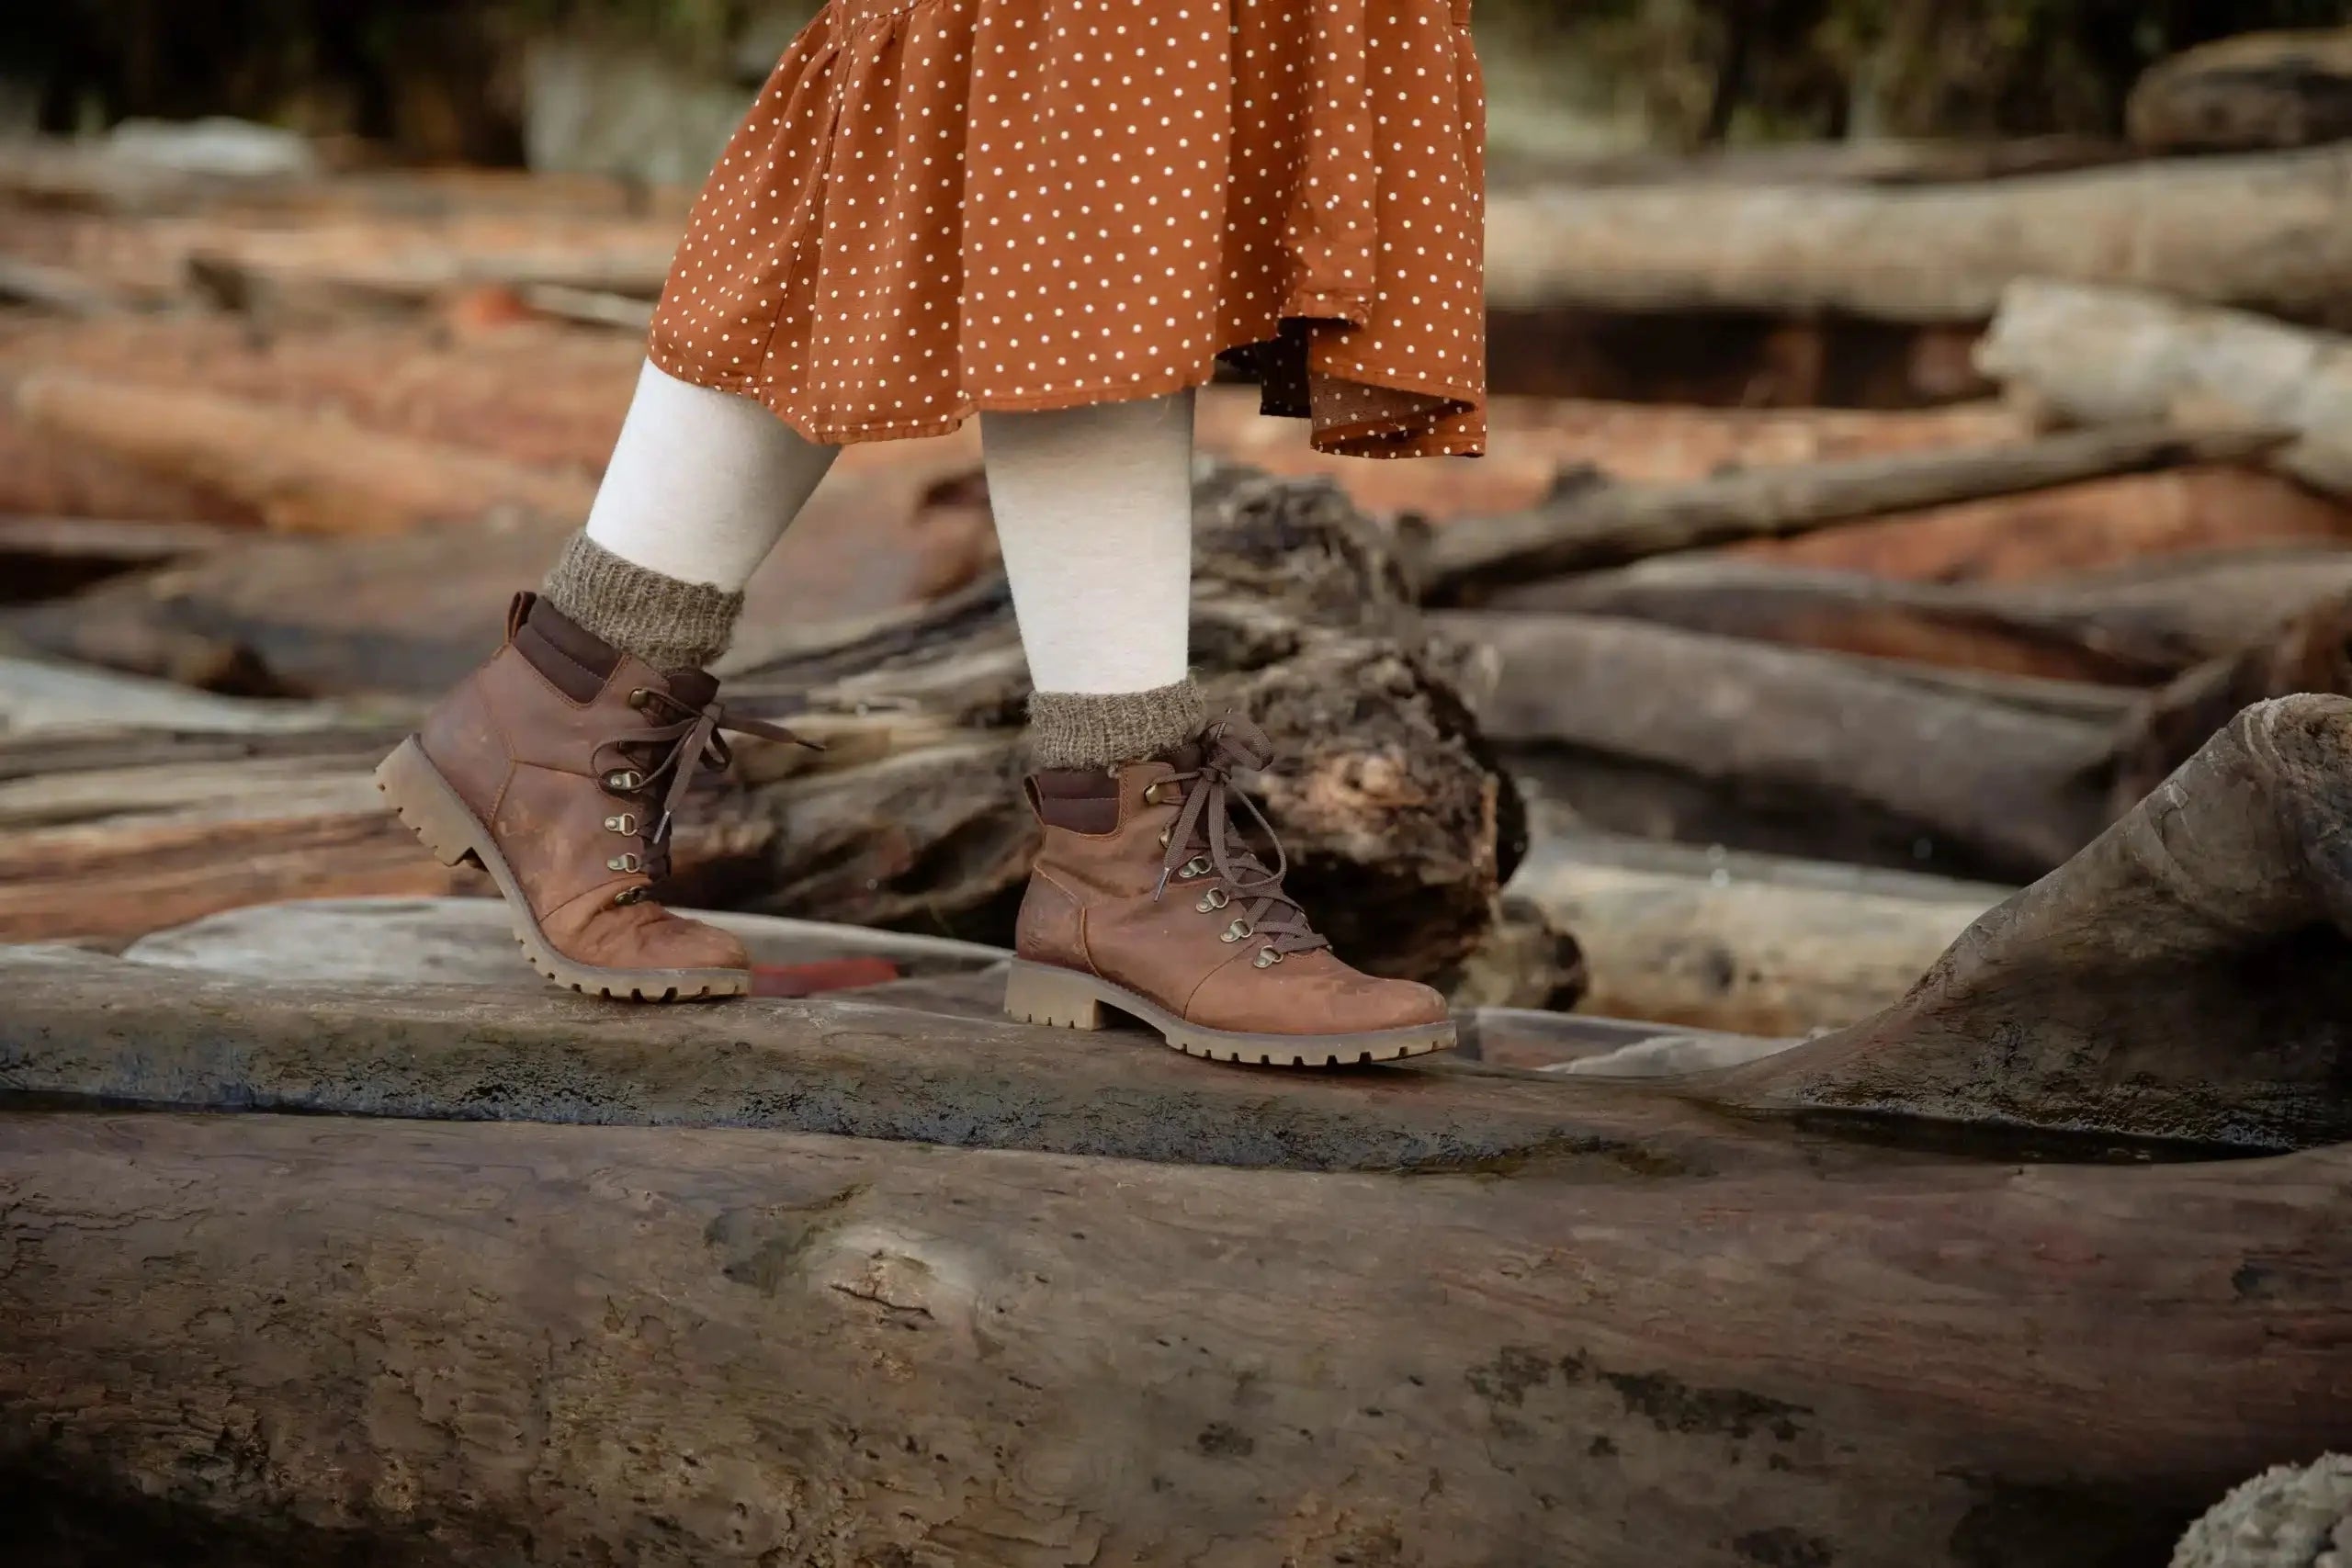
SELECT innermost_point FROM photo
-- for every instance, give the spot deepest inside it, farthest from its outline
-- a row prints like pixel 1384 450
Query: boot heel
pixel 1039 993
pixel 416 790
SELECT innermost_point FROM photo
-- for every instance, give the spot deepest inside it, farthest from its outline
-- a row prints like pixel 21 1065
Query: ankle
pixel 669 624
pixel 1090 729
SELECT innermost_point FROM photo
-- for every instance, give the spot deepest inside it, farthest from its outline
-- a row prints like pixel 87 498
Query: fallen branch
pixel 1593 527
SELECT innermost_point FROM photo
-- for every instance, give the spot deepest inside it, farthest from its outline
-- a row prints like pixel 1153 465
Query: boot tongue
pixel 695 688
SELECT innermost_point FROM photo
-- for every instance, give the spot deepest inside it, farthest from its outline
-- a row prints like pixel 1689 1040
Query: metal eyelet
pixel 625 822
pixel 1267 958
pixel 1238 931
pixel 1167 834
pixel 624 862
pixel 1214 899
pixel 1151 795
pixel 640 698
pixel 628 896
pixel 1197 867
pixel 624 779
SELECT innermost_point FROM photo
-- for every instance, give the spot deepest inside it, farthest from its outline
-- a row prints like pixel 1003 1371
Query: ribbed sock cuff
pixel 1086 729
pixel 668 624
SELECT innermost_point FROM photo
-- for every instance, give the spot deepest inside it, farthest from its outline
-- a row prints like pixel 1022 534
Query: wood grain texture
pixel 395 1343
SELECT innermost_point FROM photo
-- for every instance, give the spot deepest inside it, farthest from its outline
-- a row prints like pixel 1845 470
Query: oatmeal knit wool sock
pixel 668 624
pixel 1085 729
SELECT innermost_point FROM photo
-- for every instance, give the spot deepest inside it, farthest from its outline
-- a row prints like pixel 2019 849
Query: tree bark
pixel 2271 232
pixel 2104 355
pixel 245 1338
pixel 1588 527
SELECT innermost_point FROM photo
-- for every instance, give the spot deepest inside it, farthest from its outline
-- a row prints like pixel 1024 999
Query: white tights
pixel 1093 510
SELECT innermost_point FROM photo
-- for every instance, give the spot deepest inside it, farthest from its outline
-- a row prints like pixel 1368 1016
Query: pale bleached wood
pixel 2097 354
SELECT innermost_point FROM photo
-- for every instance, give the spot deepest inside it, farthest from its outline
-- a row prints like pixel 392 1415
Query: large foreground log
pixel 232 1339
pixel 2269 231
pixel 2098 354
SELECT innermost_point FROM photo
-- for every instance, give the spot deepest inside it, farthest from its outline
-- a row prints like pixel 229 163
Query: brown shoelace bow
pixel 686 745
pixel 1235 745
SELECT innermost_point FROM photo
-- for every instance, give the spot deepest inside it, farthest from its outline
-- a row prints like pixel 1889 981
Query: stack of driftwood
pixel 1733 715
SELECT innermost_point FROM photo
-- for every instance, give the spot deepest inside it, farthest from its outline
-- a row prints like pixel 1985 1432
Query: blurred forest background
pixel 649 87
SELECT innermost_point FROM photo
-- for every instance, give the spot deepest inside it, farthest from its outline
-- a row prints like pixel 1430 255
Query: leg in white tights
pixel 1094 511
pixel 702 484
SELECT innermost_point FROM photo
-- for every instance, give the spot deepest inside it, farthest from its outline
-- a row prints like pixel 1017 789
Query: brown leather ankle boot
pixel 1144 900
pixel 556 767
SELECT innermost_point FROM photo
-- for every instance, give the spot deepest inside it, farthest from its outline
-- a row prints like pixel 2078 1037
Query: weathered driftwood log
pixel 1745 943
pixel 2140 624
pixel 2310 652
pixel 2272 232
pixel 243 1336
pixel 2254 92
pixel 2200 942
pixel 2102 356
pixel 1649 729
pixel 1588 526
pixel 301 471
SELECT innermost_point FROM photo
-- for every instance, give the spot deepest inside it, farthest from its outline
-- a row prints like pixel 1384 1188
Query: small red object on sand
pixel 826 975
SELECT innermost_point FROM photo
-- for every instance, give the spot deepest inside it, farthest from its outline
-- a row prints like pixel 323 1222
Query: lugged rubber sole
pixel 1069 998
pixel 414 788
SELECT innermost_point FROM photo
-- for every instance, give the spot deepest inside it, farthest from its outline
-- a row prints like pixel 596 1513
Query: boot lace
pixel 663 761
pixel 1204 822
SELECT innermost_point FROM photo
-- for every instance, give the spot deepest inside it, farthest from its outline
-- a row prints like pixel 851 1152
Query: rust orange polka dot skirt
pixel 943 205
